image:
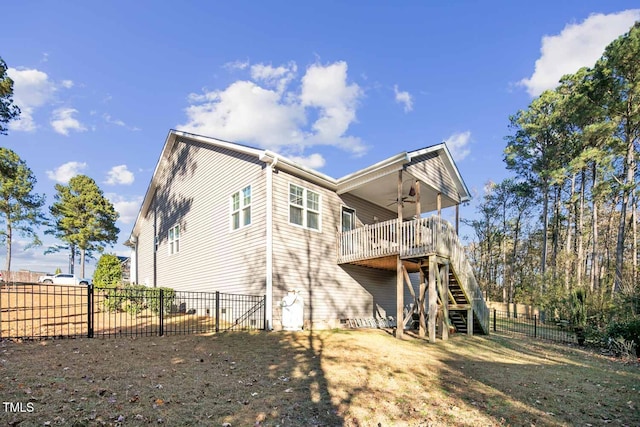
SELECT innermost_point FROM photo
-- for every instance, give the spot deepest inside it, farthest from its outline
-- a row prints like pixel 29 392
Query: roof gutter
pixel 308 174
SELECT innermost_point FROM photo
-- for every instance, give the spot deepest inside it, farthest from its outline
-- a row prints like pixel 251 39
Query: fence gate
pixel 36 311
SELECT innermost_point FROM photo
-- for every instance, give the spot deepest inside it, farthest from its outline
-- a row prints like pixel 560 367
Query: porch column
pixel 399 273
pixel 439 204
pixel 433 299
pixel 457 219
pixel 418 205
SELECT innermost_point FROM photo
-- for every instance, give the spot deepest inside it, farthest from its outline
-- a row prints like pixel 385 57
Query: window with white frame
pixel 241 208
pixel 304 207
pixel 174 240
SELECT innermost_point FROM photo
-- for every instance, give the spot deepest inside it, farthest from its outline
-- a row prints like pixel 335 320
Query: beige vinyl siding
pixel 144 252
pixel 366 212
pixel 195 192
pixel 305 260
pixel 430 169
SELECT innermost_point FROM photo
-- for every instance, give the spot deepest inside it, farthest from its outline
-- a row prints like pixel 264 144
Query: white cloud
pixel 120 175
pixel 107 118
pixel 404 98
pixel 62 121
pixel 67 84
pixel 277 77
pixel 313 161
pixel 458 145
pixel 65 172
pixel 246 112
pixel 31 89
pixel 326 88
pixel 237 65
pixel 117 122
pixel 128 208
pixel 577 46
pixel 265 112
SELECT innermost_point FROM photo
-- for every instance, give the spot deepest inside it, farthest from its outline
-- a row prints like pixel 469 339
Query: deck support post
pixel 439 204
pixel 422 331
pixel 443 289
pixel 399 273
pixel 399 299
pixel 458 219
pixel 433 299
pixel 470 321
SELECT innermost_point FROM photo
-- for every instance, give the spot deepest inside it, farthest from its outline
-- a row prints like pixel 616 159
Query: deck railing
pixel 367 242
pixel 419 237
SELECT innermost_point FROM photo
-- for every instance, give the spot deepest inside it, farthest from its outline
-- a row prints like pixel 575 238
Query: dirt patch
pixel 353 378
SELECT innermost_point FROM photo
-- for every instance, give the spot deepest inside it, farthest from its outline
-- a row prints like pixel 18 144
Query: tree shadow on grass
pixel 286 386
pixel 536 384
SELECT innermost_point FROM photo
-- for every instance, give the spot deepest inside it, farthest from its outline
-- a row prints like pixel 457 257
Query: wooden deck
pixel 379 245
pixel 410 239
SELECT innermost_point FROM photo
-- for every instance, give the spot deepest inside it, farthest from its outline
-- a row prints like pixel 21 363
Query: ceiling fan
pixel 405 199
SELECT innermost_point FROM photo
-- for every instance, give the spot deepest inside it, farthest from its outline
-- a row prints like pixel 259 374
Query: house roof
pixel 373 183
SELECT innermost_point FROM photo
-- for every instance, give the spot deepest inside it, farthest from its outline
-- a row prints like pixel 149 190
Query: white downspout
pixel 269 244
pixel 133 264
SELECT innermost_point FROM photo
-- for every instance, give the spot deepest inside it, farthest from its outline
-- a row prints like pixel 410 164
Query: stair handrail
pixel 447 240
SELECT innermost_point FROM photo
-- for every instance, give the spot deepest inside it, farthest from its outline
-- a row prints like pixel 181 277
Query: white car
pixel 64 279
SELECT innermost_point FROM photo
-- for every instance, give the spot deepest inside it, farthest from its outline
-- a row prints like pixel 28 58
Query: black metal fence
pixel 533 326
pixel 36 311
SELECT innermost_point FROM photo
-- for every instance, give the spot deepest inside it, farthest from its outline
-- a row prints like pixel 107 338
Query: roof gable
pixel 348 183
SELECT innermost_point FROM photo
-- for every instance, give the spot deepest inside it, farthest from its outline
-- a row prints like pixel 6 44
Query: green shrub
pixel 629 330
pixel 133 299
pixel 108 272
pixel 168 297
pixel 113 299
pixel 577 307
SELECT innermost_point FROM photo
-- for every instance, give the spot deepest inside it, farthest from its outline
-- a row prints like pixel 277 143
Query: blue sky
pixel 336 85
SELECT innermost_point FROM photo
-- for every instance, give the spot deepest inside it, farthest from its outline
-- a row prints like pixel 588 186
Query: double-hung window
pixel 241 208
pixel 304 207
pixel 174 240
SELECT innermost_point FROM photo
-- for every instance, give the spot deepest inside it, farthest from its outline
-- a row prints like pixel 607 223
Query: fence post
pixel 535 326
pixel 494 319
pixel 90 311
pixel 161 297
pixel 217 311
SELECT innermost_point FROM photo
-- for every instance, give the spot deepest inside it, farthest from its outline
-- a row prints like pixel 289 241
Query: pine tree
pixel 83 218
pixel 20 207
pixel 8 110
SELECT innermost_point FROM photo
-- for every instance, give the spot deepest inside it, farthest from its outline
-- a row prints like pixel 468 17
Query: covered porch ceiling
pixel 383 191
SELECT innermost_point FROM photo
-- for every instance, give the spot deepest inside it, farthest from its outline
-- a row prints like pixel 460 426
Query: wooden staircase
pixel 458 303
